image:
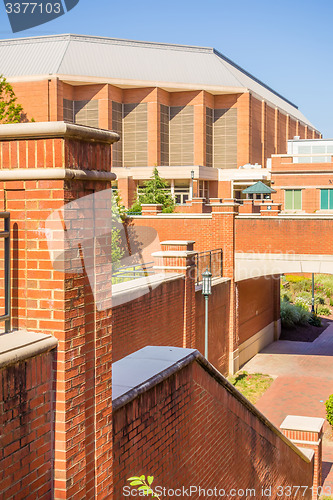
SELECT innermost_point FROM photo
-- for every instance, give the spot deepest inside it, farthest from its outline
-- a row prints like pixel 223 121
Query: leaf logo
pixel 24 14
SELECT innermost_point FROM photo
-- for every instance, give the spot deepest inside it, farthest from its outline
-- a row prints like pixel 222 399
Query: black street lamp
pixel 206 292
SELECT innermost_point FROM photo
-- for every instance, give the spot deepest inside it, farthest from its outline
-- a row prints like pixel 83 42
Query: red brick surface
pixel 190 431
pixel 26 429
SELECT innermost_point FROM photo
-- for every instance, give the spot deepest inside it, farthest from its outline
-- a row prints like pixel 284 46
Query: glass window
pixel 293 199
pixel 326 199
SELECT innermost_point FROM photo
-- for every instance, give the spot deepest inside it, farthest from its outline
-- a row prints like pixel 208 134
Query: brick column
pixel 307 434
pixel 151 209
pixel 223 236
pixel 270 209
pixel 178 257
pixel 45 166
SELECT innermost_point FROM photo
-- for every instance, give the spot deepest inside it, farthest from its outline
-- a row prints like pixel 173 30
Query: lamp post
pixel 313 298
pixel 192 179
pixel 206 292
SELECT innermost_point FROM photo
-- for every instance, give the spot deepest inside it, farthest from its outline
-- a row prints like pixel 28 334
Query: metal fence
pixel 5 235
pixel 211 260
pixel 135 271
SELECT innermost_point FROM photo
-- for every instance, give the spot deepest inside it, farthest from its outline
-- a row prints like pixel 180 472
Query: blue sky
pixel 287 44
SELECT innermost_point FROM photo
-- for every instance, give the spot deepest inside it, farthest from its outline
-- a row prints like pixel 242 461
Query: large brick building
pixel 184 109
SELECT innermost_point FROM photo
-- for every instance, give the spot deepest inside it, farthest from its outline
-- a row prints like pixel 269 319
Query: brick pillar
pixel 45 166
pixel 197 205
pixel 269 209
pixel 127 191
pixel 246 207
pixel 151 209
pixel 223 236
pixel 307 434
pixel 178 257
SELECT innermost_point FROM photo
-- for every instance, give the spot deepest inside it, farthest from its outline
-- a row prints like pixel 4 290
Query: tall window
pixel 81 112
pixel 293 199
pixel 225 138
pixel 181 135
pixel 117 126
pixel 164 117
pixel 326 199
pixel 209 137
pixel 135 130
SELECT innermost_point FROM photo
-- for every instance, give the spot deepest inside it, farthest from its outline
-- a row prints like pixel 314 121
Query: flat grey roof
pixel 129 61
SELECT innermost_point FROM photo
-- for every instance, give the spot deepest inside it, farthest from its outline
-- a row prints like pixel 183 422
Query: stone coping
pixel 177 242
pixel 144 369
pixel 20 345
pixel 50 130
pixel 303 424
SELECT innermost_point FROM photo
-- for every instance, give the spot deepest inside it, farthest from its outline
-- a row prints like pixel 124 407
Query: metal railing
pixel 211 260
pixel 5 235
pixel 135 271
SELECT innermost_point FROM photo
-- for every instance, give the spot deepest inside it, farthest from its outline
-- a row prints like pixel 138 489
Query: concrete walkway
pixel 303 375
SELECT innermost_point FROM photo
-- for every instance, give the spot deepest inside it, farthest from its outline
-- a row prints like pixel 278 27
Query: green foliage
pixel 118 216
pixel 323 310
pixel 289 315
pixel 331 301
pixel 252 386
pixel 320 299
pixel 294 279
pixel 286 296
pixel 314 320
pixel 143 485
pixel 292 315
pixel 155 191
pixel 10 111
pixel 329 410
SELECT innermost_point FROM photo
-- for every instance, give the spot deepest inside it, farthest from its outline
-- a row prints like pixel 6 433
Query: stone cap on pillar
pixel 52 130
pixel 304 424
pixel 185 245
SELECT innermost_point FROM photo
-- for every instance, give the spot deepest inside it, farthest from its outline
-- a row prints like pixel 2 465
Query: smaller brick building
pixel 303 178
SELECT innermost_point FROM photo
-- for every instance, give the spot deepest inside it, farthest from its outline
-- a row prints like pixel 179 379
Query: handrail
pixel 211 260
pixel 6 236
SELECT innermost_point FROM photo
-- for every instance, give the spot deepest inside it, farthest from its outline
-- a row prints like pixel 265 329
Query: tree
pixel 10 111
pixel 156 190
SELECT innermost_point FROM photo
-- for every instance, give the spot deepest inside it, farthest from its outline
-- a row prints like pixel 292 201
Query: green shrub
pixel 304 303
pixel 320 299
pixel 329 410
pixel 289 315
pixel 331 302
pixel 323 311
pixel 314 320
pixel 286 297
pixel 303 315
pixel 301 286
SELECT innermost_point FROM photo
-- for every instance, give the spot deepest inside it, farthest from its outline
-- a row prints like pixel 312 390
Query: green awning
pixel 259 188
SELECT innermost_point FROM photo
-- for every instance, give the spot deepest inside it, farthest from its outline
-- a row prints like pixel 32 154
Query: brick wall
pixel 218 325
pixel 26 428
pixel 156 318
pixel 47 298
pixel 190 430
pixel 256 305
pixel 284 235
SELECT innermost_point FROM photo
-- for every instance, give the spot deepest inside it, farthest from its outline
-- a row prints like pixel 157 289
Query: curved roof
pixel 127 60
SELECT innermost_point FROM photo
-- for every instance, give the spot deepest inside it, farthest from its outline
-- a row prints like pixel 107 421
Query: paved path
pixel 303 374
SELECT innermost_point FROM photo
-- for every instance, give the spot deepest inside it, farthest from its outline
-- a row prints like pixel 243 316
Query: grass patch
pixel 251 385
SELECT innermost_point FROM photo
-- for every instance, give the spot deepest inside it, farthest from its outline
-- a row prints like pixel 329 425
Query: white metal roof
pixel 155 64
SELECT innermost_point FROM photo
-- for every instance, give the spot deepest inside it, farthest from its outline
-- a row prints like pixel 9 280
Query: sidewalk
pixel 303 375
